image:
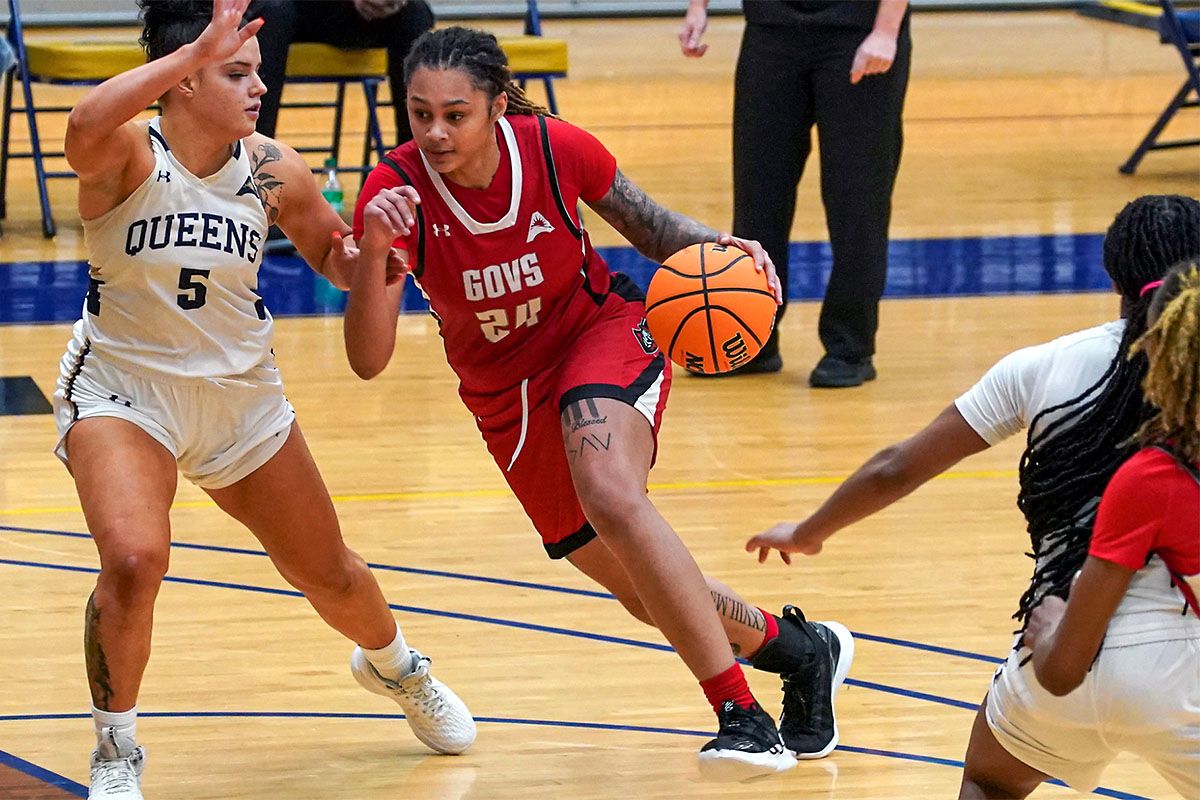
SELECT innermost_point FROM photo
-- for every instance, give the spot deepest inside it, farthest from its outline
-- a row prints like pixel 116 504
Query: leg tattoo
pixel 97 664
pixel 738 612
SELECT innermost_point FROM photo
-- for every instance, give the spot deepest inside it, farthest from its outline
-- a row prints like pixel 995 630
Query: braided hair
pixel 168 25
pixel 479 55
pixel 1068 461
pixel 1172 382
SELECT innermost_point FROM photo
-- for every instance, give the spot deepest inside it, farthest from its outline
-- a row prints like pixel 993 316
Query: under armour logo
pixel 441 230
pixel 538 225
pixel 163 175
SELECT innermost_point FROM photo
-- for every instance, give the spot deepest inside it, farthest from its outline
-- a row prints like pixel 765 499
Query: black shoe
pixel 747 744
pixel 808 725
pixel 834 373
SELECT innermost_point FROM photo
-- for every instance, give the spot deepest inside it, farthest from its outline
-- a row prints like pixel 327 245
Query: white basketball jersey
pixel 174 272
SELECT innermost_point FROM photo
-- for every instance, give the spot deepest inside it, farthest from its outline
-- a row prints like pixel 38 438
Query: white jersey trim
pixel 470 223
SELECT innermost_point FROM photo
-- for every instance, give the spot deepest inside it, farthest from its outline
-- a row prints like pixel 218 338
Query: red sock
pixel 772 631
pixel 729 685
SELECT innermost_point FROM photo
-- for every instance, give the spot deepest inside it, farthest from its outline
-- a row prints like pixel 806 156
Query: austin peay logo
pixel 642 334
pixel 538 225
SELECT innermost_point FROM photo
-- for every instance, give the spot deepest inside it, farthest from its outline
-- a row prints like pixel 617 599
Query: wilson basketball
pixel 708 309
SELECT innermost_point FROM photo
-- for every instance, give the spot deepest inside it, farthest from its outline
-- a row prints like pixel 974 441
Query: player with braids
pixel 1116 664
pixel 1070 460
pixel 171 369
pixel 487 66
pixel 1081 398
pixel 565 383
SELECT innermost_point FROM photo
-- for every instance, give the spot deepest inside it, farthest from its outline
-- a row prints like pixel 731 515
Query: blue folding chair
pixel 1181 30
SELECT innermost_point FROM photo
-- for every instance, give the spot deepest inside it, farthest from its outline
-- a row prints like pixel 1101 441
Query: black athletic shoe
pixel 747 745
pixel 808 724
pixel 836 373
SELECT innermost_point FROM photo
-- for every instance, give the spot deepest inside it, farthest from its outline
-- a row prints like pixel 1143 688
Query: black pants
pixel 334 22
pixel 788 80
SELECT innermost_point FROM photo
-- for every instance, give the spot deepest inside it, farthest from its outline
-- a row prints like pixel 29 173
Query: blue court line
pixel 548 723
pixel 509 623
pixel 869 637
pixel 42 774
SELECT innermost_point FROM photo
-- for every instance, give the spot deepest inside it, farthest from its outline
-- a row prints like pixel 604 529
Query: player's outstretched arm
pixel 101 140
pixel 658 232
pixel 289 195
pixel 655 231
pixel 886 477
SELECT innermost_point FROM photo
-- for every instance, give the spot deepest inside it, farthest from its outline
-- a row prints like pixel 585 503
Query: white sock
pixel 116 731
pixel 393 661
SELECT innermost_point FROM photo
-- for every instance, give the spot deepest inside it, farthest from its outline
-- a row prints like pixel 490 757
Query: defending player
pixel 171 368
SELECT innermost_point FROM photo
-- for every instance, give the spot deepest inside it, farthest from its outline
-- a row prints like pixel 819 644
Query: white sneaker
pixel 117 778
pixel 436 715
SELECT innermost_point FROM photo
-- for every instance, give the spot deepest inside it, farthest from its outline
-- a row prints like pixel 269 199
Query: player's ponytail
pixel 1172 382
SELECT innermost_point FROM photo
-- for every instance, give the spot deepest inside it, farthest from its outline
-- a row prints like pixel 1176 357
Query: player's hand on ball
pixel 787 538
pixel 762 261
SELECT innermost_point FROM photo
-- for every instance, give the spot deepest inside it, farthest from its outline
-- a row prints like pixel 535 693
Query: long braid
pixel 479 55
pixel 1074 448
pixel 1172 382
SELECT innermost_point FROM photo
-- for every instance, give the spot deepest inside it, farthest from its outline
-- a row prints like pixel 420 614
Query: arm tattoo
pixel 97 664
pixel 268 186
pixel 655 231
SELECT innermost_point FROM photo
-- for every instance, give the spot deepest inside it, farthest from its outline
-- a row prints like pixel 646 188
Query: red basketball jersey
pixel 509 271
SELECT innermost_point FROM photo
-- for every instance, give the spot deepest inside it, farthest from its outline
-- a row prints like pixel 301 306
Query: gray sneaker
pixel 436 715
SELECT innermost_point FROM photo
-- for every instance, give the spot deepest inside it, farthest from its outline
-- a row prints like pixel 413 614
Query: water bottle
pixel 332 190
pixel 328 299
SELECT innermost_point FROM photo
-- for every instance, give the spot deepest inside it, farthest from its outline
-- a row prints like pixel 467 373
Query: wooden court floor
pixel 248 694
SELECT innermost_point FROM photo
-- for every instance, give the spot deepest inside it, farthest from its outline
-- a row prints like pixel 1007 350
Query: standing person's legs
pixel 772 138
pixel 280 21
pixel 287 507
pixel 861 136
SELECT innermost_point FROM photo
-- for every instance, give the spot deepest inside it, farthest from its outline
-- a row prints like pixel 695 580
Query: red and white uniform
pixel 1142 694
pixel 1149 521
pixel 531 318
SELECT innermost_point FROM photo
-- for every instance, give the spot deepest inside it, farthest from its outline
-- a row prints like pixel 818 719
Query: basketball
pixel 708 309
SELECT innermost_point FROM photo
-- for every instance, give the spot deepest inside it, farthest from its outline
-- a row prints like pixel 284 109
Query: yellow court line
pixel 741 483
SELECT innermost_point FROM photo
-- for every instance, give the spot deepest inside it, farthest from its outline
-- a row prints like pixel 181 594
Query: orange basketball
pixel 708 309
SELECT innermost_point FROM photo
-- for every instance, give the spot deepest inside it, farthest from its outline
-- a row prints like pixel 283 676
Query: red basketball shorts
pixel 615 358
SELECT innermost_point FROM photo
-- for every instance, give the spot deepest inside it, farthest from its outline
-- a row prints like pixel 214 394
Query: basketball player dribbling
pixel 171 368
pixel 566 385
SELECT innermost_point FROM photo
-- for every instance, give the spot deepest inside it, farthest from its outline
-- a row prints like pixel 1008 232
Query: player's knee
pixel 134 572
pixel 328 581
pixel 611 506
